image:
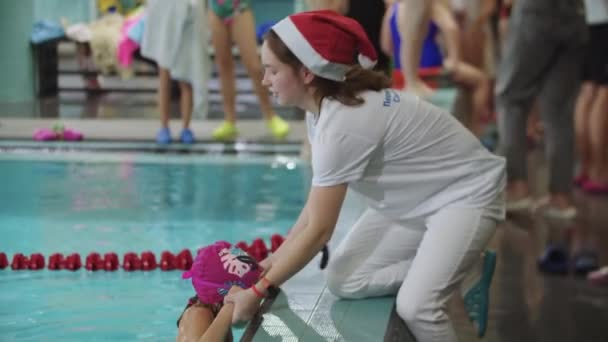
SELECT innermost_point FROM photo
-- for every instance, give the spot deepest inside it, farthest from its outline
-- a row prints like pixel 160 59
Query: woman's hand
pixel 246 304
pixel 265 264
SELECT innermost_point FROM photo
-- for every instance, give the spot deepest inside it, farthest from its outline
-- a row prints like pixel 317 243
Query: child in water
pixel 217 270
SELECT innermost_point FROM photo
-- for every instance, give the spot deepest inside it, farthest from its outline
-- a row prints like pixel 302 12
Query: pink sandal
pixel 581 179
pixel 71 135
pixel 595 187
pixel 45 134
pixel 57 133
pixel 599 277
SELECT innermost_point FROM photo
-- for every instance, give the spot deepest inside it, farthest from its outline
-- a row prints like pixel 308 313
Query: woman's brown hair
pixel 346 92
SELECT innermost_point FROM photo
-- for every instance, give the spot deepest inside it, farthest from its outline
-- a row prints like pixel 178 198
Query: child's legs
pixel 374 257
pixel 582 122
pixel 195 321
pixel 475 79
pixel 164 95
pixel 222 43
pixel 244 36
pixel 598 132
pixel 185 103
pixel 452 244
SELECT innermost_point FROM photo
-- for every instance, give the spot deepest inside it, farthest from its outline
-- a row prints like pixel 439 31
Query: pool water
pixel 86 203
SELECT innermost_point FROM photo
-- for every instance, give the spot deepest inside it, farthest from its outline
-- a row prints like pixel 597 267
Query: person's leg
pixel 534 126
pixel 83 56
pixel 243 31
pixel 451 246
pixel 478 82
pixel 598 136
pixel 164 103
pixel 413 18
pixel 222 43
pixel 596 70
pixel 185 106
pixel 374 257
pixel 527 55
pixel 557 100
pixel 582 126
pixel 340 6
pixel 194 322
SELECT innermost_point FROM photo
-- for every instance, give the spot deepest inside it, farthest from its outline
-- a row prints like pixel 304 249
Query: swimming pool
pixel 76 202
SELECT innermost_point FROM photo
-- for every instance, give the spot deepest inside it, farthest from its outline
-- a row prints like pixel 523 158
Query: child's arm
pixel 220 326
pixel 448 27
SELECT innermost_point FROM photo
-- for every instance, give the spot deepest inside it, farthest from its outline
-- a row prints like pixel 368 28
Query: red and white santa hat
pixel 326 42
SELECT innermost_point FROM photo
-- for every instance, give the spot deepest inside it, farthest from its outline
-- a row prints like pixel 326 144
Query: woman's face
pixel 282 81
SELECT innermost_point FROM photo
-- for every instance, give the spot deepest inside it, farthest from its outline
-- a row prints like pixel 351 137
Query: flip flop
pixel 477 299
pixel 554 260
pixel 585 261
pixel 45 134
pixel 71 135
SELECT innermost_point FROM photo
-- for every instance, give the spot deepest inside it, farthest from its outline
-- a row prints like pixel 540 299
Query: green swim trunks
pixel 226 9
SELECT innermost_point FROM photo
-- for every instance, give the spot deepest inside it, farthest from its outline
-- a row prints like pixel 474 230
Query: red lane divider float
pixel 130 262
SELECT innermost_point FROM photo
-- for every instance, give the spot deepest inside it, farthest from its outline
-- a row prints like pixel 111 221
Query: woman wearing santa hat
pixel 434 194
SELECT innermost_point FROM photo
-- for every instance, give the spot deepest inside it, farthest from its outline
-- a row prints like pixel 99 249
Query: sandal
pixel 585 261
pixel 477 299
pixel 554 260
pixel 595 187
pixel 581 179
pixel 599 277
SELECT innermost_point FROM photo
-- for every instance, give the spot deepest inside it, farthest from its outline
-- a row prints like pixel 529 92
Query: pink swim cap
pixel 217 268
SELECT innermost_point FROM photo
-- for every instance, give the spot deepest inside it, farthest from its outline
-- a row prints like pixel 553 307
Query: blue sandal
pixel 477 299
pixel 555 260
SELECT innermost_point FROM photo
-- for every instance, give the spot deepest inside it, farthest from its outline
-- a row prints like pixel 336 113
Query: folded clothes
pixel 45 30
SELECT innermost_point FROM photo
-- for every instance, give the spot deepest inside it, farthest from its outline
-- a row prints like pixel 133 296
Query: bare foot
pixel 420 88
pixel 560 201
pixel 517 190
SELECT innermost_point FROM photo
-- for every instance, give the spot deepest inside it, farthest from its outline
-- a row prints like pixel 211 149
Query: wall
pixel 16 83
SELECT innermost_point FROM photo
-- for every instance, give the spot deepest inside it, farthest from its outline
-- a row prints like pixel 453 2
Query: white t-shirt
pixel 596 11
pixel 407 157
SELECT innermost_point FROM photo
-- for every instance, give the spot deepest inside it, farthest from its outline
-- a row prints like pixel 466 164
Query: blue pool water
pixel 118 203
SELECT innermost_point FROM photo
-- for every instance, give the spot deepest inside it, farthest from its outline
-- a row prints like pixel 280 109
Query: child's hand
pixel 234 289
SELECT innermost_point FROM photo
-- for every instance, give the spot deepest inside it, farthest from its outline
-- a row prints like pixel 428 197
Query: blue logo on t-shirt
pixel 390 96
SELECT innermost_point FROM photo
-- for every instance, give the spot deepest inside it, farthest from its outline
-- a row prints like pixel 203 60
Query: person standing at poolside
pixel 175 38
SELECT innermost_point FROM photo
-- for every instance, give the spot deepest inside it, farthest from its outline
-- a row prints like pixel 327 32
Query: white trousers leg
pixel 423 261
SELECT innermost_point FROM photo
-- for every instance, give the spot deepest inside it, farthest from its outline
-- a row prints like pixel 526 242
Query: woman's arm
pixel 300 224
pixel 323 208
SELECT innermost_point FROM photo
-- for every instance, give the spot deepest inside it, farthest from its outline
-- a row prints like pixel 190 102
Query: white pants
pixel 423 261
